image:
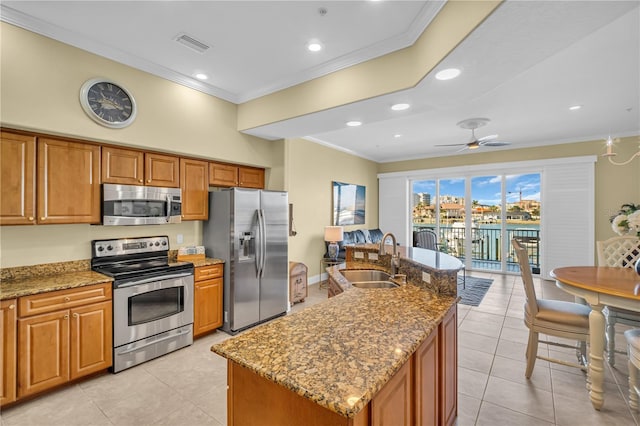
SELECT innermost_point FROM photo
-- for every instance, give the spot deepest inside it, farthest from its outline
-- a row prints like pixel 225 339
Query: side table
pixel 325 262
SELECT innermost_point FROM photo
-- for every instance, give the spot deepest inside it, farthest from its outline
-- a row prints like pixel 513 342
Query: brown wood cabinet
pixel 229 175
pixel 132 167
pixel 207 302
pixel 17 179
pixel 68 182
pixel 393 404
pixel 427 385
pixel 194 182
pixel 63 335
pixel 448 393
pixel 8 325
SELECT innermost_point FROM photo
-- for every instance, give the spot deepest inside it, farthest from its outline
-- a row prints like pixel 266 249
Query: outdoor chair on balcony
pixel 426 238
pixel 551 317
pixel 620 252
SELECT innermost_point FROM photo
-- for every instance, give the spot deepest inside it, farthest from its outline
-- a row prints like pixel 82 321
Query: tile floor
pixel 188 387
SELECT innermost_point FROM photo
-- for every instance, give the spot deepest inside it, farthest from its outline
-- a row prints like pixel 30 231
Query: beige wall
pixel 40 82
pixel 614 185
pixel 310 170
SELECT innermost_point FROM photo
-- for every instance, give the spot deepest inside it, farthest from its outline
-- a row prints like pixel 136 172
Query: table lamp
pixel 333 234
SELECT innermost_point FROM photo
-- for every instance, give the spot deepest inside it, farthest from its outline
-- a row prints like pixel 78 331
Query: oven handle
pixel 154 279
pixel 137 348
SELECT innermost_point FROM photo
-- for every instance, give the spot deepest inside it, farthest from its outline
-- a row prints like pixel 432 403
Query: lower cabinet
pixel 393 404
pixel 8 324
pixel 207 308
pixel 448 335
pixel 427 382
pixel 63 335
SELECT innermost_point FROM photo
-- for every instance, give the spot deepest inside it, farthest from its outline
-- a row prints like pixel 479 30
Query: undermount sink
pixel 359 275
pixel 374 284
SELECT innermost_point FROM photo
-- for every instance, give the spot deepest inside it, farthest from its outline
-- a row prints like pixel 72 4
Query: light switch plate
pixel 373 256
pixel 426 277
pixel 358 255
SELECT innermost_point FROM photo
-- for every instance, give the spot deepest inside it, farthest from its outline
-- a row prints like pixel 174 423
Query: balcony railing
pixel 486 245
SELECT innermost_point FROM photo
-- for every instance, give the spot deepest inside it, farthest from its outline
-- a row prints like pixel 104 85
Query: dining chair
pixel 633 349
pixel 620 252
pixel 557 318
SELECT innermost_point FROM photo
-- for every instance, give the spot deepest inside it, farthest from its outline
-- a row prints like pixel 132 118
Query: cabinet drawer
pixel 208 272
pixel 63 299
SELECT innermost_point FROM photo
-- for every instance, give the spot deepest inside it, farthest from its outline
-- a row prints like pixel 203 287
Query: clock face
pixel 107 103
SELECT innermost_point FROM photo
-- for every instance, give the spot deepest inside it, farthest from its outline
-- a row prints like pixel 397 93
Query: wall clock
pixel 108 103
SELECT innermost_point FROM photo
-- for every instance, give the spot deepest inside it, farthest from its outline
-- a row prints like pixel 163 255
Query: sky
pixel 486 189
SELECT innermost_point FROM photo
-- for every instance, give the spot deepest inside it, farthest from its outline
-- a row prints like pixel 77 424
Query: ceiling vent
pixel 192 43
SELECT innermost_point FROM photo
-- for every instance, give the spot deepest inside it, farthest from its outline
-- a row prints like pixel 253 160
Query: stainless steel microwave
pixel 140 205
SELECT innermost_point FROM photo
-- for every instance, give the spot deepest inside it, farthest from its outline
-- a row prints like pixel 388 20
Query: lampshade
pixel 333 233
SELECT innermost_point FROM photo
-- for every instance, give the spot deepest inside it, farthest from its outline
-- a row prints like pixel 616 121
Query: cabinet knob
pixel 75 315
pixel 30 217
pixel 12 306
pixel 140 180
pixel 66 316
pixel 148 180
pixel 66 299
pixel 42 218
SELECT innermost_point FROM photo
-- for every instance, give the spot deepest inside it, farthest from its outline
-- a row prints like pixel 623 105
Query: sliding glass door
pixel 475 217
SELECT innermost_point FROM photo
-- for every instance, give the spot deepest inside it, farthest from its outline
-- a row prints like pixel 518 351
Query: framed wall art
pixel 348 204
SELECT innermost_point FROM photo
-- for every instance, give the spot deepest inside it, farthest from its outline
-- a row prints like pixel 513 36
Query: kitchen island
pixel 361 357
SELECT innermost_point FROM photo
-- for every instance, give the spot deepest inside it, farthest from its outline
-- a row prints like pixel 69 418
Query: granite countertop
pixel 10 289
pixel 340 352
pixel 30 280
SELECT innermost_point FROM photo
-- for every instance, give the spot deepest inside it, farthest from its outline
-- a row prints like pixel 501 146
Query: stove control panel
pixel 124 246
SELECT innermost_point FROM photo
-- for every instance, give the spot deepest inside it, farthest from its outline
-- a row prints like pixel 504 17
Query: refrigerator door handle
pixel 263 241
pixel 258 248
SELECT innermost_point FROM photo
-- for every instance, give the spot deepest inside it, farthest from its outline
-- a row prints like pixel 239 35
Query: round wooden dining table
pixel 600 286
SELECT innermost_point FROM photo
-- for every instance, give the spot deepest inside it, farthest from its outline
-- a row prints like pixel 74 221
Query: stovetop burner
pixel 131 259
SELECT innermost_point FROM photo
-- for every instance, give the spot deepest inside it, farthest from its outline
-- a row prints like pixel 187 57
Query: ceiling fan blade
pixel 487 138
pixel 453 144
pixel 494 143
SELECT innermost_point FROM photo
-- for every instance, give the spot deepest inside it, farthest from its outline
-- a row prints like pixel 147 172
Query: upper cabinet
pixel 229 175
pixel 68 182
pixel 194 180
pixel 131 167
pixel 18 179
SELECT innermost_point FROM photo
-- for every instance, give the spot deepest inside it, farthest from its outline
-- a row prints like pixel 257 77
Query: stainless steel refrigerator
pixel 248 229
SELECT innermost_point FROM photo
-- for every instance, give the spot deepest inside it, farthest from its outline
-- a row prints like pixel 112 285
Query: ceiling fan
pixel 475 143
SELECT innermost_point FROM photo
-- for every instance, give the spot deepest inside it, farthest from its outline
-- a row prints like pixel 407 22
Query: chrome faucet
pixel 395 257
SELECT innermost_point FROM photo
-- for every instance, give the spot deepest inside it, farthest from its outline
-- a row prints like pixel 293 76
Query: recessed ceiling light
pixel 448 74
pixel 575 107
pixel 400 107
pixel 397 135
pixel 201 76
pixel 314 46
pixel 354 123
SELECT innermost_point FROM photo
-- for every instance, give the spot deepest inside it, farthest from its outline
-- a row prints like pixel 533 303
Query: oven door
pixel 142 309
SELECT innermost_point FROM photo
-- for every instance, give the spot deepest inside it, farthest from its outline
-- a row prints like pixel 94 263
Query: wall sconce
pixel 333 234
pixel 610 154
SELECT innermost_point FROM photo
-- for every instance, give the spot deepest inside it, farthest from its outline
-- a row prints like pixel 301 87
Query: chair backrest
pixel 622 252
pixel 527 278
pixel 426 238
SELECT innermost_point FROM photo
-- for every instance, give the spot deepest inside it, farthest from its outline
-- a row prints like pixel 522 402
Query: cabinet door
pixel 207 306
pixel 427 381
pixel 223 175
pixel 194 181
pixel 162 170
pixel 249 177
pixel 449 367
pixel 8 325
pixel 91 341
pixel 43 352
pixel 392 405
pixel 122 166
pixel 68 182
pixel 18 179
